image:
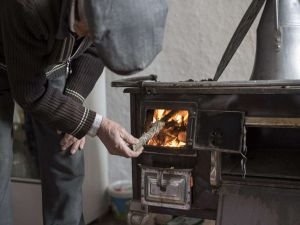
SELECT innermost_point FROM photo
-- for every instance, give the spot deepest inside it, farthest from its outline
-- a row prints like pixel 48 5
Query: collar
pixel 72 16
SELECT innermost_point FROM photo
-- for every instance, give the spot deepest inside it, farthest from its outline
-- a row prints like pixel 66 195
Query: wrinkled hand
pixel 71 141
pixel 116 139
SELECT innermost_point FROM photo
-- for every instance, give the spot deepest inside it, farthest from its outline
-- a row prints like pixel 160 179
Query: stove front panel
pixel 172 177
pixel 211 168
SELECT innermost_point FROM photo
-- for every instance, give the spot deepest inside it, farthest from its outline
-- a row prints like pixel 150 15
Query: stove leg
pixel 138 214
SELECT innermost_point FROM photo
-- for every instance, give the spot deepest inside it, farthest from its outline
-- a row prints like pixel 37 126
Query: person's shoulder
pixel 41 8
pixel 20 9
pixel 21 6
pixel 49 13
pixel 39 16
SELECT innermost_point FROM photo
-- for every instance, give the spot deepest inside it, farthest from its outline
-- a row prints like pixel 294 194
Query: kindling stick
pixel 155 129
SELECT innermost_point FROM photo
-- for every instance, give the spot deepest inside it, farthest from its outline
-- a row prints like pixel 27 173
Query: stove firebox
pixel 174 132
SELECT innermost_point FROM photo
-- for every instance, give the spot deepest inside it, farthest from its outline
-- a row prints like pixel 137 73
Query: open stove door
pixel 220 131
pixel 253 205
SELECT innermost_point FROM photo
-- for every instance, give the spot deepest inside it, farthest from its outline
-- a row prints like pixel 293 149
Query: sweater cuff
pixel 96 124
pixel 85 124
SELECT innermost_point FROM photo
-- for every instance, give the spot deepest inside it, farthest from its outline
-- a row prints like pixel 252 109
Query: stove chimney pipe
pixel 278 42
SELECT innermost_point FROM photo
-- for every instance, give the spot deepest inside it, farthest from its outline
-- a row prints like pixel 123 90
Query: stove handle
pixel 278 33
pixel 160 180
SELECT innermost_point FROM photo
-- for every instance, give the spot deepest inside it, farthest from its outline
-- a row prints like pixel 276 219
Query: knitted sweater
pixel 31 42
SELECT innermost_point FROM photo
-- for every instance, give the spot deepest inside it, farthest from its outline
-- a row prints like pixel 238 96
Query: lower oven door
pixel 169 188
pixel 252 205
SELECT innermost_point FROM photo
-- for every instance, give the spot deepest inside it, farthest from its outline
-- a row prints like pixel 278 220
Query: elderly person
pixel 48 65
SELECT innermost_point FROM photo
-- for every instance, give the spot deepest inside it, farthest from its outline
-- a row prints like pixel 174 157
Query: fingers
pixel 78 145
pixel 134 154
pixel 75 147
pixel 82 143
pixel 127 152
pixel 116 139
pixel 130 140
pixel 67 141
pixel 128 137
pixel 70 141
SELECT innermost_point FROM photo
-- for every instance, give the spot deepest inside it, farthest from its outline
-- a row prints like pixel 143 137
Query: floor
pixel 109 220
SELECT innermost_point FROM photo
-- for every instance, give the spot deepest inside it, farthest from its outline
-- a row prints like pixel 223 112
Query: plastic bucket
pixel 121 195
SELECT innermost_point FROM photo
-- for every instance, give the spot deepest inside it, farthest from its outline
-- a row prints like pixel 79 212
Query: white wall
pixel 197 34
pixel 95 185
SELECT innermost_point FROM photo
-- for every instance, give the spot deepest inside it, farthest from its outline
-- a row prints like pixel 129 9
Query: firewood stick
pixel 155 129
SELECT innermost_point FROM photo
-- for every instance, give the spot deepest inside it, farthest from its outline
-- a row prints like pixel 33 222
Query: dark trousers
pixel 61 173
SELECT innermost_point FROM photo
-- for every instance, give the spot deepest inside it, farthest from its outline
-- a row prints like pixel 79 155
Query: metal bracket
pixel 244 154
pixel 160 178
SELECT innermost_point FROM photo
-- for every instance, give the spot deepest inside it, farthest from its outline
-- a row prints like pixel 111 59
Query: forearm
pixel 86 70
pixel 55 110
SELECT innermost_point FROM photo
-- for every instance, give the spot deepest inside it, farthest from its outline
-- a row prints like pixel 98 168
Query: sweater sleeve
pixel 25 50
pixel 86 70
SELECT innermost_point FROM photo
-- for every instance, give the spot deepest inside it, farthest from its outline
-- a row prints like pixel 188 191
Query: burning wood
pixel 168 129
pixel 173 134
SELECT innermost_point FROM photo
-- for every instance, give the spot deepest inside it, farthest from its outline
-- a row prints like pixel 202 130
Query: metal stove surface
pixel 240 134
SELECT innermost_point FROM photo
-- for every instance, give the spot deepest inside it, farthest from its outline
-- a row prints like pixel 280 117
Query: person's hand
pixel 71 141
pixel 116 139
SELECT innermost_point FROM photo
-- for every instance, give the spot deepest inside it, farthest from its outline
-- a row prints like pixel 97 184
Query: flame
pixel 175 131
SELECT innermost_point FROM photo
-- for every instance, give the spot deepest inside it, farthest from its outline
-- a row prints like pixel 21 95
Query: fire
pixel 175 131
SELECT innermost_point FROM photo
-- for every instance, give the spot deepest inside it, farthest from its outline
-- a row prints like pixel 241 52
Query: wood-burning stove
pixel 237 151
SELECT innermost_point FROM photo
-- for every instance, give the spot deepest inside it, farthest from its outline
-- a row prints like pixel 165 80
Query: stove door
pixel 253 205
pixel 166 187
pixel 221 131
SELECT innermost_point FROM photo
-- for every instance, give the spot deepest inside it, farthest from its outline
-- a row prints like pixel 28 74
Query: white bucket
pixel 121 195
